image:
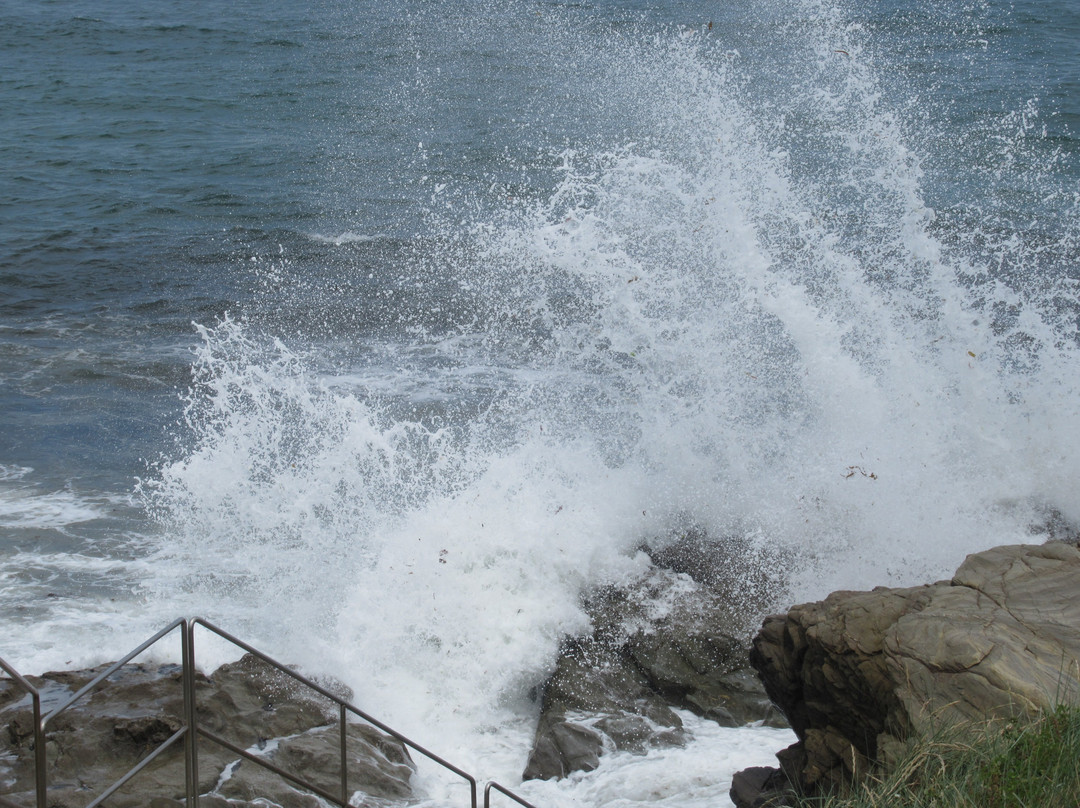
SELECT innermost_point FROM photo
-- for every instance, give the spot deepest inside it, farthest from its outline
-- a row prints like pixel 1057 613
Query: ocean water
pixel 382 336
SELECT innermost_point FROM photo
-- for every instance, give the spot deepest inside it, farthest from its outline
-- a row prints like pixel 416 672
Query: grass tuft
pixel 1032 764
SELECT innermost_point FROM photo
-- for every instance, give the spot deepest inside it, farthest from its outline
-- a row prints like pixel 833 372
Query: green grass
pixel 1033 764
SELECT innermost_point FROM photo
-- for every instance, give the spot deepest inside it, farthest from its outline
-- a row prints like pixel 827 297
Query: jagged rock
pixel 93 743
pixel 857 673
pixel 667 642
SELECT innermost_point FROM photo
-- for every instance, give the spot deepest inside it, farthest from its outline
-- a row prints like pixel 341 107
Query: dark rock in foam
pixel 666 642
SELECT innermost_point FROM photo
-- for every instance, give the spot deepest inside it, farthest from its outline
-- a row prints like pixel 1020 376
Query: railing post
pixel 344 758
pixel 191 749
pixel 492 785
pixel 40 759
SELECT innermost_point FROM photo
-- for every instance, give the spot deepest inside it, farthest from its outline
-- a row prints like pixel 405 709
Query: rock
pixel 859 672
pixel 563 747
pixel 378 766
pixel 94 742
pixel 761 787
pixel 739 573
pixel 667 642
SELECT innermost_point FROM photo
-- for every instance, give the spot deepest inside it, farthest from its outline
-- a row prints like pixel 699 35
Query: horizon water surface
pixel 382 337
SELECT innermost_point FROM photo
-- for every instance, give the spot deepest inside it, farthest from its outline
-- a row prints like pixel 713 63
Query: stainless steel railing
pixel 192 731
pixel 39 735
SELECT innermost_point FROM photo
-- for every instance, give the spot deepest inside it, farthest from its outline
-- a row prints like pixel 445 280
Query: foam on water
pixel 25 507
pixel 348 237
pixel 76 610
pixel 13 472
pixel 33 504
pixel 697 775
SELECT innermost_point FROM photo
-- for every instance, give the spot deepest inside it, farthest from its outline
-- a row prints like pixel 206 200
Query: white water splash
pixel 742 316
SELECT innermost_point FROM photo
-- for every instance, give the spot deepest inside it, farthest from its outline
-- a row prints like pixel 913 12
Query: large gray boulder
pixel 93 743
pixel 859 672
pixel 669 641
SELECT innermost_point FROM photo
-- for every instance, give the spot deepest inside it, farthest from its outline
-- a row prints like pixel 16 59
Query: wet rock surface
pixel 93 743
pixel 668 642
pixel 859 672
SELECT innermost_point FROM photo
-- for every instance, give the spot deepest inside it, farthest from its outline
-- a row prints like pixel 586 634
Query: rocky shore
pixel 854 675
pixel 92 744
pixel 860 672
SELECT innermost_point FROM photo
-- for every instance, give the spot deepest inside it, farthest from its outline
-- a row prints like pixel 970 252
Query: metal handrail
pixel 493 786
pixel 190 731
pixel 343 706
pixel 113 668
pixel 41 722
pixel 39 734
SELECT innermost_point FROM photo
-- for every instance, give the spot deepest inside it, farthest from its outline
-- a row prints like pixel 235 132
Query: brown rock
pixel 94 742
pixel 860 671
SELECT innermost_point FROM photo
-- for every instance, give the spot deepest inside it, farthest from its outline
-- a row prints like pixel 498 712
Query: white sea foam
pixel 24 506
pixel 13 472
pixel 71 610
pixel 346 237
pixel 696 777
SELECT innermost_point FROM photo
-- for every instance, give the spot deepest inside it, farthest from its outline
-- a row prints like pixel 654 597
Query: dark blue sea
pixel 381 334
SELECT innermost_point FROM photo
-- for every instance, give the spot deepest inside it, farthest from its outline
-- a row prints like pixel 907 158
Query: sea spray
pixel 516 289
pixel 741 313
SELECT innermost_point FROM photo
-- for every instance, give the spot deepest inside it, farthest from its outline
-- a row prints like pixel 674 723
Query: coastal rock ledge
pixel 859 672
pixel 250 704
